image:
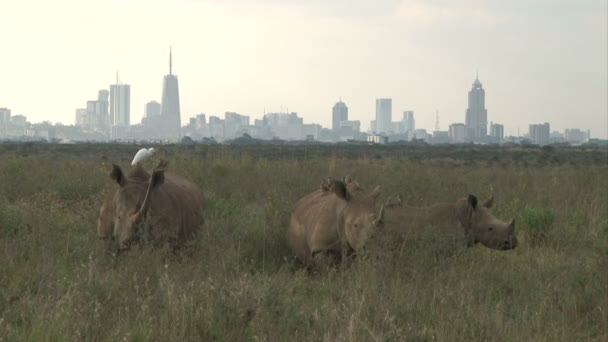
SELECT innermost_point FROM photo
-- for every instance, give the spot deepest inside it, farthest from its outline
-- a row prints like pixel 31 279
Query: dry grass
pixel 238 282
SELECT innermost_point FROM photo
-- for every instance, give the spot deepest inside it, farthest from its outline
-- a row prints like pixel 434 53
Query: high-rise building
pixel 216 127
pixel 152 109
pixel 476 121
pixel 201 122
pixel 103 114
pixel 19 120
pixel 497 131
pixel 457 133
pixel 120 109
pixel 287 126
pixel 349 129
pixel 339 114
pixel 5 115
pixel 5 119
pixel 170 110
pixel 539 133
pixel 311 131
pixel 152 122
pixel 81 117
pixel 95 117
pixel 409 124
pixel 233 122
pixel 575 135
pixel 384 115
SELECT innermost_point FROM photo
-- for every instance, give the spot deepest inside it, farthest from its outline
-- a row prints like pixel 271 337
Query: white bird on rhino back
pixel 142 155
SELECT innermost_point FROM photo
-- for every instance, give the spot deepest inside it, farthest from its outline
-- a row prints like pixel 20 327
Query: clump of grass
pixel 538 224
pixel 10 220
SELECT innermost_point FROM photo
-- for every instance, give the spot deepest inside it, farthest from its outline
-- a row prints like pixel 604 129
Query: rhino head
pixel 132 201
pixel 481 226
pixel 358 217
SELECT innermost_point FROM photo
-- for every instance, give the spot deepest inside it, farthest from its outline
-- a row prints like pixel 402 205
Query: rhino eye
pixel 490 229
pixel 356 225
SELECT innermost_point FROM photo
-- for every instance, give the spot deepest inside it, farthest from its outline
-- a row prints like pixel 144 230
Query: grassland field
pixel 238 281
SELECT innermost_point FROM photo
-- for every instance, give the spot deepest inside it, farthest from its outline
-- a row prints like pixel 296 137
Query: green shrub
pixel 537 223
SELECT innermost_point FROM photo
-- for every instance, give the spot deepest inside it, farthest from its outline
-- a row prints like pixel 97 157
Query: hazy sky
pixel 539 60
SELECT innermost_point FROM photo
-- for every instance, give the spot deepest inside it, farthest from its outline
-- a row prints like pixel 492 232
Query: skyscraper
pixel 120 109
pixel 457 133
pixel 408 121
pixel 575 135
pixel 103 110
pixel 170 111
pixel 5 116
pixel 81 117
pixel 539 133
pixel 152 122
pixel 497 131
pixel 152 109
pixel 384 115
pixel 476 121
pixel 339 114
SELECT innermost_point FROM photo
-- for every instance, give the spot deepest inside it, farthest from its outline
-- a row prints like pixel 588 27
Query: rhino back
pixel 177 209
pixel 313 224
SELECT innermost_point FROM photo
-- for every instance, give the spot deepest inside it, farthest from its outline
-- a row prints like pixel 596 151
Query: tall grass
pixel 238 281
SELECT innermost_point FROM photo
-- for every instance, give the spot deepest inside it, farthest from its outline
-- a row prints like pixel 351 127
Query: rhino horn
pixel 512 226
pixel 380 215
pixel 157 178
pixel 489 202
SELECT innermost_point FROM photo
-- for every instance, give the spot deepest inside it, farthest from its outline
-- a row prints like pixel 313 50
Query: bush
pixel 537 223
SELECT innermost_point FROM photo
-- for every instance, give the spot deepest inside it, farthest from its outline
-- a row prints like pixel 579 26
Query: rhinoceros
pixel 335 220
pixel 171 208
pixel 464 217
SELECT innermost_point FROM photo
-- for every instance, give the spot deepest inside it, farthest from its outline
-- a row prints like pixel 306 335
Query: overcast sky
pixel 539 60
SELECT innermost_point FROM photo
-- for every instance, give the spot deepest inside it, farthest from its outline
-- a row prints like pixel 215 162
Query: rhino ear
pixel 472 201
pixel 158 175
pixel 326 184
pixel 347 179
pixel 339 188
pixel 158 178
pixel 488 204
pixel 118 175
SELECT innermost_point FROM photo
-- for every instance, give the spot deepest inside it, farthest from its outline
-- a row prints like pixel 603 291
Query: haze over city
pixel 539 61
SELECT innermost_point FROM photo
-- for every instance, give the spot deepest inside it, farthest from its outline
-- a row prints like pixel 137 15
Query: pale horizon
pixel 539 61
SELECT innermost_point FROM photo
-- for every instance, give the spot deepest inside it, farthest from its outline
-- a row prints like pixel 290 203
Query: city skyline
pixel 539 70
pixel 161 122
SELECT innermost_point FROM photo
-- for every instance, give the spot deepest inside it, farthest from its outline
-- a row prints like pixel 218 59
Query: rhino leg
pixel 325 261
pixel 344 247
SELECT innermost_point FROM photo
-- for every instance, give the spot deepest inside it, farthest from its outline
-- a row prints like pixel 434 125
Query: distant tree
pixel 187 141
pixel 209 141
